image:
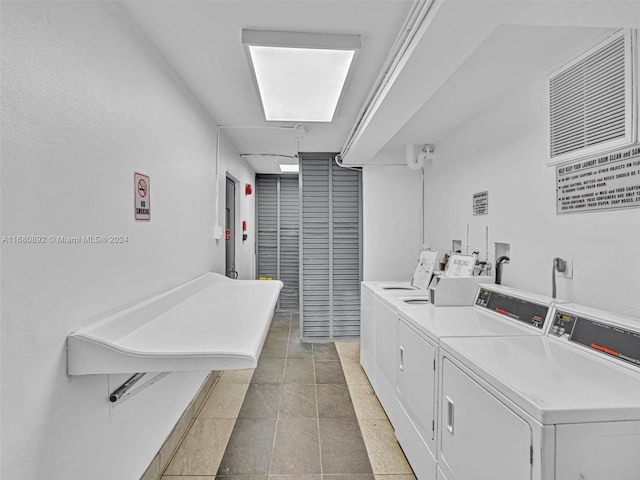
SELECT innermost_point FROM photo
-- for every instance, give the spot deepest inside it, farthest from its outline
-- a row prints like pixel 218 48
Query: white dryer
pixel 497 311
pixel 559 407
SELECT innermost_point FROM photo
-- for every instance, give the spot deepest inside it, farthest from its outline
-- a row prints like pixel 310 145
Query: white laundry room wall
pixel 230 164
pixel 86 102
pixel 391 238
pixel 503 151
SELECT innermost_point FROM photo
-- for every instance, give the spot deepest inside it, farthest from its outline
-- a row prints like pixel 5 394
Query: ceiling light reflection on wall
pixel 300 76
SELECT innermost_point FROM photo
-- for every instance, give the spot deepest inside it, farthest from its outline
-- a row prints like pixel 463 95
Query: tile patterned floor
pixel 307 412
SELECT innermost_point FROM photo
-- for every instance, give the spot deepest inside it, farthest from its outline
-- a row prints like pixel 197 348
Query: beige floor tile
pixel 236 376
pixel 365 402
pixel 225 401
pixel 202 448
pixel 353 373
pixel 199 477
pixel 377 477
pixel 348 351
pixel 385 453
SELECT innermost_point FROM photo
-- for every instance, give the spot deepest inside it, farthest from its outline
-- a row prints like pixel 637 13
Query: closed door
pixel 230 230
pixel 480 437
pixel 417 381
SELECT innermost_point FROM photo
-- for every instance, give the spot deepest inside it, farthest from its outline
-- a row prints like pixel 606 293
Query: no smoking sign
pixel 142 193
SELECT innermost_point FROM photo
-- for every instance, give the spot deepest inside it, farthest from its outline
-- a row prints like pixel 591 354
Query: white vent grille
pixel 591 101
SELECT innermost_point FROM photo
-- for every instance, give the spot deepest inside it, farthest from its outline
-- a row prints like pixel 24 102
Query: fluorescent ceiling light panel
pixel 300 76
pixel 289 168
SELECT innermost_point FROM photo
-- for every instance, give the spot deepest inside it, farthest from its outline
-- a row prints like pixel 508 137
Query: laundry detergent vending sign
pixel 603 183
pixel 142 194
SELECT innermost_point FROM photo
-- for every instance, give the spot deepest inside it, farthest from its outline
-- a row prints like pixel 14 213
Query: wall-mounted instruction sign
pixel 481 203
pixel 607 182
pixel 142 193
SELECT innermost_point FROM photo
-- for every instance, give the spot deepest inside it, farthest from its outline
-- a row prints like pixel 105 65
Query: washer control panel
pixel 512 307
pixel 599 335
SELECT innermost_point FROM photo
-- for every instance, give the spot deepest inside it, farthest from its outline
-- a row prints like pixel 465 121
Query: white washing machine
pixel 497 311
pixel 420 279
pixel 559 407
pixel 374 324
pixel 385 342
pixel 379 339
pixel 392 286
pixel 373 314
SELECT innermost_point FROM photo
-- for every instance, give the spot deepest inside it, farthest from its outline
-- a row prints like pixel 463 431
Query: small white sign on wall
pixel 142 194
pixel 481 203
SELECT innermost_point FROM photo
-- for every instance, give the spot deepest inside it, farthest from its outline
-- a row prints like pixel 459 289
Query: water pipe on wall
pixel 415 161
pixel 499 262
pixel 422 209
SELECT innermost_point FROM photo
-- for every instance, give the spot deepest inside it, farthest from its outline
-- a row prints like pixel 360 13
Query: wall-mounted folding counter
pixel 209 323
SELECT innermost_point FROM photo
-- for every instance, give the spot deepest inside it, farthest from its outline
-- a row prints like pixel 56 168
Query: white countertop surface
pixel 209 323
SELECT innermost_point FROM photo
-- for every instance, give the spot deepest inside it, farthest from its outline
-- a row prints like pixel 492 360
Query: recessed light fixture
pixel 289 168
pixel 300 76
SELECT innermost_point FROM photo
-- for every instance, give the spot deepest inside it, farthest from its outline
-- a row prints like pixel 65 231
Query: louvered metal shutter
pixel 590 101
pixel 346 252
pixel 267 220
pixel 330 249
pixel 289 242
pixel 277 200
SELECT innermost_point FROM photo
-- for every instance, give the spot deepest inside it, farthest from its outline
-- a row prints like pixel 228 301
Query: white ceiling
pixel 202 42
pixel 468 54
pixel 472 52
pixel 509 57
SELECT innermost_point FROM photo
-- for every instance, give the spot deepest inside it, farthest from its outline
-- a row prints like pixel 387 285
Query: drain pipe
pixel 416 162
pixel 422 209
pixel 216 234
